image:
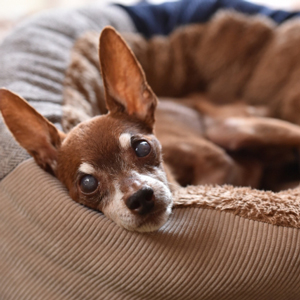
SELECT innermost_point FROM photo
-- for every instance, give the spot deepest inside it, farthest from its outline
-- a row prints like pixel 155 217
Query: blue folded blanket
pixel 151 19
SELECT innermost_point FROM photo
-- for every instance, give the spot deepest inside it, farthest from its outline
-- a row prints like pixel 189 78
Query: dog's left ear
pixel 32 131
pixel 124 80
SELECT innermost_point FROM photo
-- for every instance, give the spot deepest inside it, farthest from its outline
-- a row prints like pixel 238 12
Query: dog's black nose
pixel 141 202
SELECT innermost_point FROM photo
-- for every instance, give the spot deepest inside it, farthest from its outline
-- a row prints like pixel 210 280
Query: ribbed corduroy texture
pixel 54 248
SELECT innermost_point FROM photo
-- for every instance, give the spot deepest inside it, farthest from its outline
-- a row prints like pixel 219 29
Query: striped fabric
pixel 54 248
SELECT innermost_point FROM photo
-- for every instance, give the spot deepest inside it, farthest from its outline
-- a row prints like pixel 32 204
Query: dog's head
pixel 112 162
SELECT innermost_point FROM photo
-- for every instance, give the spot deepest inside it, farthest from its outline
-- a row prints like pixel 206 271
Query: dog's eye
pixel 88 184
pixel 142 148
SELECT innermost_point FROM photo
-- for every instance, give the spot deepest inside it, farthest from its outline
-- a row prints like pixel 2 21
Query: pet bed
pixel 221 242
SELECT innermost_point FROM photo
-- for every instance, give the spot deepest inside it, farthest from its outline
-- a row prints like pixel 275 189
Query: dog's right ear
pixel 32 131
pixel 124 80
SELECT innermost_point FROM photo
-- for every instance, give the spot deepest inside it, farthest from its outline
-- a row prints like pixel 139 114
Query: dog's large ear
pixel 32 131
pixel 124 80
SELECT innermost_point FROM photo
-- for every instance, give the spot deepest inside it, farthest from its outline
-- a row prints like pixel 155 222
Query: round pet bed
pixel 220 242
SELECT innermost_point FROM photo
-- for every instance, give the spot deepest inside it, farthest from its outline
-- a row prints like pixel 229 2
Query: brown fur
pixel 44 137
pixel 101 147
pixel 122 74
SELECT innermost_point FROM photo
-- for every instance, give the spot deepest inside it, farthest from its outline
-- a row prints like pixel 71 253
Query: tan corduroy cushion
pixel 53 248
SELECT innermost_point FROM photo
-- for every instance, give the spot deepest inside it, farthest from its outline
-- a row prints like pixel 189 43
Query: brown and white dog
pixel 113 162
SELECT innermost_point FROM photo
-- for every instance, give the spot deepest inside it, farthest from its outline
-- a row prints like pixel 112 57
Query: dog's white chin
pixel 133 222
pixel 154 223
pixel 117 211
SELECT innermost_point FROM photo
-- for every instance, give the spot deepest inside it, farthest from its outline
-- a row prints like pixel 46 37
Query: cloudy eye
pixel 88 184
pixel 142 148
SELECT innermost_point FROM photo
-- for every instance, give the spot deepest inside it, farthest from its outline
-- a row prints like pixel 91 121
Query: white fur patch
pixel 87 168
pixel 124 140
pixel 159 185
pixel 53 165
pixel 117 210
pixel 237 125
pixel 118 195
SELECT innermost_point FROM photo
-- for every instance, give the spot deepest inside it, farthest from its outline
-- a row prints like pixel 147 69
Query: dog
pixel 113 162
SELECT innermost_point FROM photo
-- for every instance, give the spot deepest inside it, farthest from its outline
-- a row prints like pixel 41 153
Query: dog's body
pixel 113 162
